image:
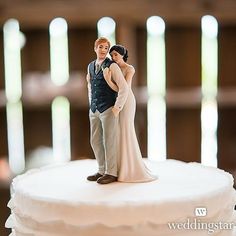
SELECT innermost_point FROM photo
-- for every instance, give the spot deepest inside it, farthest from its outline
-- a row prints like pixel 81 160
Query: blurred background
pixel 184 53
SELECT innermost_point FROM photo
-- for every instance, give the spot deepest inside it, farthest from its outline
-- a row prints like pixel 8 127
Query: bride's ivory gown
pixel 131 165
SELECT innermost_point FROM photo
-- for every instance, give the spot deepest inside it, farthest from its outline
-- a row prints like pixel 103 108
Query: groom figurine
pixel 105 105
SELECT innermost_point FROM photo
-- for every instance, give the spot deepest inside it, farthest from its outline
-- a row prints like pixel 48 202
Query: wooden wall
pixel 183 67
pixel 227 107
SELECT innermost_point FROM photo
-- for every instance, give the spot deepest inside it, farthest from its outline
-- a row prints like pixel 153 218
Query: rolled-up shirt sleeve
pixel 122 85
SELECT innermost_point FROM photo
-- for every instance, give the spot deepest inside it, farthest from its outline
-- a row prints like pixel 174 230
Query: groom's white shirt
pixel 121 83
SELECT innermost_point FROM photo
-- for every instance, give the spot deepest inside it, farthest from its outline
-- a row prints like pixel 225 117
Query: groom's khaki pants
pixel 104 140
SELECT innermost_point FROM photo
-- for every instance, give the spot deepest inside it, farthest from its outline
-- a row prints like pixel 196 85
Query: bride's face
pixel 116 57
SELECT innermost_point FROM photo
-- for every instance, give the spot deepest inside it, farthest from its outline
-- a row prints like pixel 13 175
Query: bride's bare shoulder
pixel 130 68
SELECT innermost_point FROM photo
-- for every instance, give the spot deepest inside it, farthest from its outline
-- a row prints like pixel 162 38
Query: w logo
pixel 200 211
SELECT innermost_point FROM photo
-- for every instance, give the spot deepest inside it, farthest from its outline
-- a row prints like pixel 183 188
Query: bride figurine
pixel 131 167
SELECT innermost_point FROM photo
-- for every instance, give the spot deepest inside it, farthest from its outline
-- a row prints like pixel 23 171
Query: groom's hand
pixel 115 111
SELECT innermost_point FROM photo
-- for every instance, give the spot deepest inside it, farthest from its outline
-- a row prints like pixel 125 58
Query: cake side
pixel 42 199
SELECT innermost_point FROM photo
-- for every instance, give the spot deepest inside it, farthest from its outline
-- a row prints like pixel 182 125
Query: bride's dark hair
pixel 121 50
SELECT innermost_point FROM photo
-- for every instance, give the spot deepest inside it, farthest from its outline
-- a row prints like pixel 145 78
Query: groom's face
pixel 102 50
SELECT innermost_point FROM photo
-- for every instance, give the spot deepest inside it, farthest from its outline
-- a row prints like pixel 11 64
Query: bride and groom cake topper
pixel 112 111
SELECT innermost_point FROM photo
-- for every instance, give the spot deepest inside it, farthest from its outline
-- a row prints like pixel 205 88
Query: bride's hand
pixel 107 74
pixel 115 111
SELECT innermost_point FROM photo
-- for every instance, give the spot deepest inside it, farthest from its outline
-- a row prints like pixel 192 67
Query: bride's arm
pixel 129 75
pixel 107 76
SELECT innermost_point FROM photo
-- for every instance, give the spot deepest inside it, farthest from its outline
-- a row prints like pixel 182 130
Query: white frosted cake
pixel 188 199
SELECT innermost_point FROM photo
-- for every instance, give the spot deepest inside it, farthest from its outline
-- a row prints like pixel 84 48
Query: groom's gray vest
pixel 102 96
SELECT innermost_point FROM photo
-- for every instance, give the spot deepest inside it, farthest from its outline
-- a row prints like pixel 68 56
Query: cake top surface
pixel 61 193
pixel 178 181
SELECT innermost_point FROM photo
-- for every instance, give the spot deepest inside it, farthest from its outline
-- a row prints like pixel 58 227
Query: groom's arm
pixel 88 86
pixel 122 85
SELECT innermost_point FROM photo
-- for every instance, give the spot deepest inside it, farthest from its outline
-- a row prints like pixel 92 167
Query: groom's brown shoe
pixel 94 177
pixel 106 179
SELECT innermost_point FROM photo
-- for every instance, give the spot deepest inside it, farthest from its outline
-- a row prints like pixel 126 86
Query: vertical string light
pixel 61 129
pixel 59 51
pixel 106 27
pixel 209 114
pixel 156 86
pixel 13 42
pixel 60 75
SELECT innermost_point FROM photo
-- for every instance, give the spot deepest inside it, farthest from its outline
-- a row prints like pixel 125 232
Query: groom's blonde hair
pixel 102 40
